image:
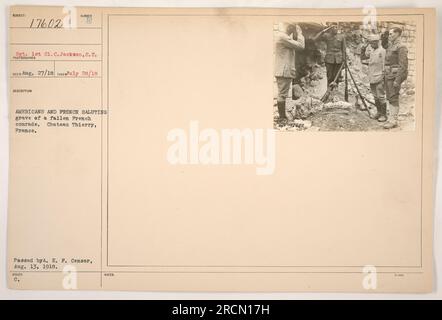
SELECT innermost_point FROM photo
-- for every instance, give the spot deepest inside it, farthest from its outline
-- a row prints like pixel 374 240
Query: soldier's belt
pixel 392 68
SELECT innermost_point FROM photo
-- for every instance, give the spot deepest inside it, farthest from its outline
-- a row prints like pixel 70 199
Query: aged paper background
pixel 336 202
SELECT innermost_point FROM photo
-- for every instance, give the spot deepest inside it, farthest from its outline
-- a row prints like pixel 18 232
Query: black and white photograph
pixel 139 158
pixel 344 76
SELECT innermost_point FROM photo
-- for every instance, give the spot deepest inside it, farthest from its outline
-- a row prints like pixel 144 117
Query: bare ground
pixel 352 119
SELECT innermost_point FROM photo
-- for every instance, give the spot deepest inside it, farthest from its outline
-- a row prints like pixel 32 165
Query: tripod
pixel 332 85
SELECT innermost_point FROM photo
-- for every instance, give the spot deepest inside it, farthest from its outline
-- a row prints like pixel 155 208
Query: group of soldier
pixel 385 55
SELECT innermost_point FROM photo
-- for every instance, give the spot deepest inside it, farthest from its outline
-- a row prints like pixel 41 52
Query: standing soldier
pixel 334 56
pixel 375 56
pixel 396 71
pixel 286 42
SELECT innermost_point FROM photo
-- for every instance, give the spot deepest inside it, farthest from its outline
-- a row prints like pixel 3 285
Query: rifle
pixel 331 85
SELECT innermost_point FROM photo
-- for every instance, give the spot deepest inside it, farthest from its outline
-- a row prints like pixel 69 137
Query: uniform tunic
pixel 396 69
pixel 285 54
pixel 376 66
pixel 335 45
pixel 334 55
pixel 285 70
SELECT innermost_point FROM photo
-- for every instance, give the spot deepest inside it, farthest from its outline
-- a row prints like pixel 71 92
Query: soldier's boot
pixel 281 111
pixel 392 117
pixel 378 110
pixel 382 110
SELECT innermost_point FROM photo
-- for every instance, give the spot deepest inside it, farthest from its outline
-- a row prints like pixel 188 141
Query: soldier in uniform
pixel 286 42
pixel 374 56
pixel 396 71
pixel 334 56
